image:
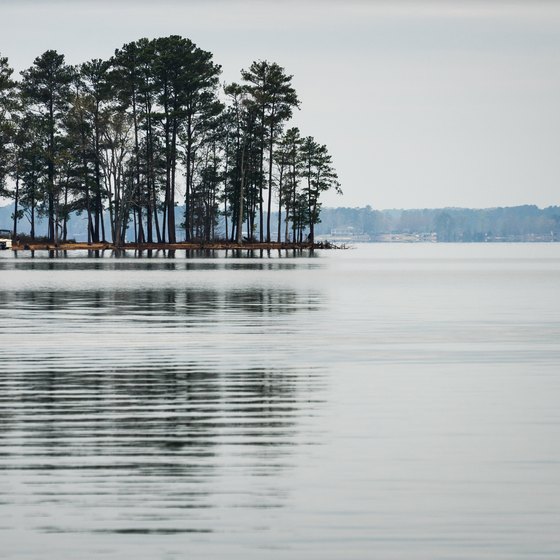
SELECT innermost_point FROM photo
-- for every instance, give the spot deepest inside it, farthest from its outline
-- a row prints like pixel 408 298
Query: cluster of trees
pixel 125 138
pixel 450 224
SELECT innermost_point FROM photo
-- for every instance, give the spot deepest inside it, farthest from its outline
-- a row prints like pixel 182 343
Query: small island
pixel 217 245
pixel 152 151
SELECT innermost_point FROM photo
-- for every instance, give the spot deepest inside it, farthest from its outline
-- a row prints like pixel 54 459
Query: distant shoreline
pixel 353 225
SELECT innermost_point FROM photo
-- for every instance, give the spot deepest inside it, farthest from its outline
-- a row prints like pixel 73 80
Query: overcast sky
pixel 421 103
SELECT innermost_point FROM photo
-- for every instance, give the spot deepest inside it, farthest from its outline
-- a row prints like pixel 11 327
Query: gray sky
pixel 421 103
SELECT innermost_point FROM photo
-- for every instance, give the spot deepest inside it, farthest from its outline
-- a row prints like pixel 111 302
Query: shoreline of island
pixel 185 246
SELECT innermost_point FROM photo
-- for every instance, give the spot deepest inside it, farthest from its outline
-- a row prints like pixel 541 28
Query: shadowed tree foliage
pixel 46 91
pixel 29 170
pixel 319 176
pixel 274 99
pixel 94 76
pixel 7 110
pixel 290 168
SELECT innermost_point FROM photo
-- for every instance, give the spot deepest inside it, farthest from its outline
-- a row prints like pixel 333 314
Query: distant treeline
pixel 121 143
pixel 450 224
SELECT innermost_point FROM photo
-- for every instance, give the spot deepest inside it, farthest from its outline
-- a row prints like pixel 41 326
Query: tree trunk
pixel 171 200
pixel 241 196
pixel 98 201
pixel 88 202
pixel 188 177
pixel 33 217
pixel 16 202
pixel 139 231
pixel 269 206
pixel 65 223
pixel 50 171
pixel 280 204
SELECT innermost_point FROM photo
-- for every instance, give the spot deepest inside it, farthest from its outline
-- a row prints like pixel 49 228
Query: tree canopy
pixel 125 141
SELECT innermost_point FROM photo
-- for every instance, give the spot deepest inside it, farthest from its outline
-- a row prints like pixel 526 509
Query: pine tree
pixel 46 88
pixel 319 176
pixel 115 136
pixel 289 158
pixel 274 99
pixel 94 82
pixel 8 106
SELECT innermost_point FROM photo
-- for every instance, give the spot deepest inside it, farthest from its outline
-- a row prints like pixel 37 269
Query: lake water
pixel 390 401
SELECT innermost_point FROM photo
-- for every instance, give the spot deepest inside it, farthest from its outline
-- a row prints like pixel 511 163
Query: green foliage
pixel 8 104
pixel 272 99
pixel 116 137
pixel 319 176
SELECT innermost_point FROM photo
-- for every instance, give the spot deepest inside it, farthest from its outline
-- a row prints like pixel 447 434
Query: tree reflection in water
pixel 131 411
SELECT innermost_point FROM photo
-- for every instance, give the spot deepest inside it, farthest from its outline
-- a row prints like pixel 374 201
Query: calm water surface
pixel 391 402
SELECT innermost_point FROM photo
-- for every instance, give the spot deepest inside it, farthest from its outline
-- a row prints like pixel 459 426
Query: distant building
pixel 425 237
pixel 351 235
pixel 344 235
